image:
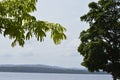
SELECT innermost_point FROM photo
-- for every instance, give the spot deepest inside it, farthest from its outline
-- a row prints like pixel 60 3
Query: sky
pixel 65 12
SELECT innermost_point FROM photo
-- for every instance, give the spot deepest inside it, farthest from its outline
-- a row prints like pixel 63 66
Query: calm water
pixel 47 76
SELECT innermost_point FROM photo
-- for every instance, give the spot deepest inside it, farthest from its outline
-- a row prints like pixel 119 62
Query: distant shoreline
pixel 43 69
pixel 56 73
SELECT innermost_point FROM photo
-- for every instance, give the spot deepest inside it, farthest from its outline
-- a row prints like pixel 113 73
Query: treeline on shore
pixel 43 69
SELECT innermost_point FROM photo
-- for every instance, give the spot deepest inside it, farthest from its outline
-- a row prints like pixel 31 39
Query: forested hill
pixel 42 69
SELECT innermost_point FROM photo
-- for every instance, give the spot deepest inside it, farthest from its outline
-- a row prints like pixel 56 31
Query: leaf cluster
pixel 100 44
pixel 17 22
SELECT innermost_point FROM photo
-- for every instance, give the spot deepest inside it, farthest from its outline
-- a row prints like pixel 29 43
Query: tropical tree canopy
pixel 100 44
pixel 18 24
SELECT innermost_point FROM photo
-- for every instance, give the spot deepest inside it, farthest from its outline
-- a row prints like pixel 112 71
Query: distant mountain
pixel 43 69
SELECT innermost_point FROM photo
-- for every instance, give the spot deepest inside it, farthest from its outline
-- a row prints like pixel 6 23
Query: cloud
pixel 6 55
pixel 61 11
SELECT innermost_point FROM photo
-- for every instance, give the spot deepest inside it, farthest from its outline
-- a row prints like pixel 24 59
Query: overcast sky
pixel 65 12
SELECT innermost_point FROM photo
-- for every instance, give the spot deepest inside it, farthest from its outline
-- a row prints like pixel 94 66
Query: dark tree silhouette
pixel 100 44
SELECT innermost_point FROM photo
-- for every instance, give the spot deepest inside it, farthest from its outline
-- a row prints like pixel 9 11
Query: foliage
pixel 17 22
pixel 100 44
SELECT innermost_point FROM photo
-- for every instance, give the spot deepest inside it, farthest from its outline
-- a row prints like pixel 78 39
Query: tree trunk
pixel 114 78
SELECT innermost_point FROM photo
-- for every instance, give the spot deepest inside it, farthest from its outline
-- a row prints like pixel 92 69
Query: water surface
pixel 48 76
